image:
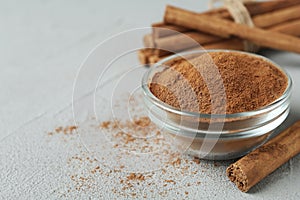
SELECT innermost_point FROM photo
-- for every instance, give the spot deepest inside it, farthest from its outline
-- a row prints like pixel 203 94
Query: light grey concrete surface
pixel 42 46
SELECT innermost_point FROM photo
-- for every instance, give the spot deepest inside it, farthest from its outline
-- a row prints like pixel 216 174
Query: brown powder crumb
pixel 105 124
pixel 245 83
pixel 134 176
pixel 186 193
pixel 196 160
pixel 133 194
pixel 176 162
pixel 216 164
pixel 143 121
pixel 129 138
pixel 134 135
pixel 170 181
pixel 58 129
pixel 68 130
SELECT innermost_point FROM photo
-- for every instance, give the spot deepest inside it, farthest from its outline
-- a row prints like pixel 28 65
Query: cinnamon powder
pixel 246 82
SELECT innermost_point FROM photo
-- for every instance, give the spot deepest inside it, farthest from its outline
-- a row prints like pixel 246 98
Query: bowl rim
pixel 174 110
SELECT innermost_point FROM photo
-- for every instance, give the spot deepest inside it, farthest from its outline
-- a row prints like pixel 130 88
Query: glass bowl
pixel 214 136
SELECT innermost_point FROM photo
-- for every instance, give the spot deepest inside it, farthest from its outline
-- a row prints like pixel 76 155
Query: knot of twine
pixel 240 15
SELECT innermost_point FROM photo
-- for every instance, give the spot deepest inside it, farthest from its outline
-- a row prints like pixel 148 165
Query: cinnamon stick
pixel 154 59
pixel 255 166
pixel 148 41
pixel 147 56
pixel 277 17
pixel 225 28
pixel 160 52
pixel 232 44
pixel 254 8
pixel 179 42
pixel 290 28
pixel 161 29
pixel 144 54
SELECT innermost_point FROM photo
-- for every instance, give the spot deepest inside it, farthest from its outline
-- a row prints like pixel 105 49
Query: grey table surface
pixel 42 46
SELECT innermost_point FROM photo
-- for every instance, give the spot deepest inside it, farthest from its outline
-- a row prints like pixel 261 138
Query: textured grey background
pixel 42 45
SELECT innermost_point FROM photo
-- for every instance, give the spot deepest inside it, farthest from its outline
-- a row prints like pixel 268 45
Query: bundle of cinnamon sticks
pixel 277 26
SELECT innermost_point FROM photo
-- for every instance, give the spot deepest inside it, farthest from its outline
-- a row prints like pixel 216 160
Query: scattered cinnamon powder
pixel 58 129
pixel 68 130
pixel 170 181
pixel 88 170
pixel 175 162
pixel 105 124
pixel 196 160
pixel 136 135
pixel 143 121
pixel 50 133
pixel 216 164
pixel 247 82
pixel 134 176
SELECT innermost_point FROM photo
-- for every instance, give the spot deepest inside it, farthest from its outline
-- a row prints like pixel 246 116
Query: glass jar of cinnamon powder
pixel 217 104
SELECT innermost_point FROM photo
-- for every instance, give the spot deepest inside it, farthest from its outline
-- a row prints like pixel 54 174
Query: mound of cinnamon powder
pixel 219 82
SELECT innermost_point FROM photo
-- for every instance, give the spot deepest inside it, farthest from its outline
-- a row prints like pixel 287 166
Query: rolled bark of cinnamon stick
pixel 161 53
pixel 290 28
pixel 178 42
pixel 255 8
pixel 225 28
pixel 154 59
pixel 148 56
pixel 255 166
pixel 184 41
pixel 143 55
pixel 148 41
pixel 277 17
pixel 232 44
pixel 161 29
